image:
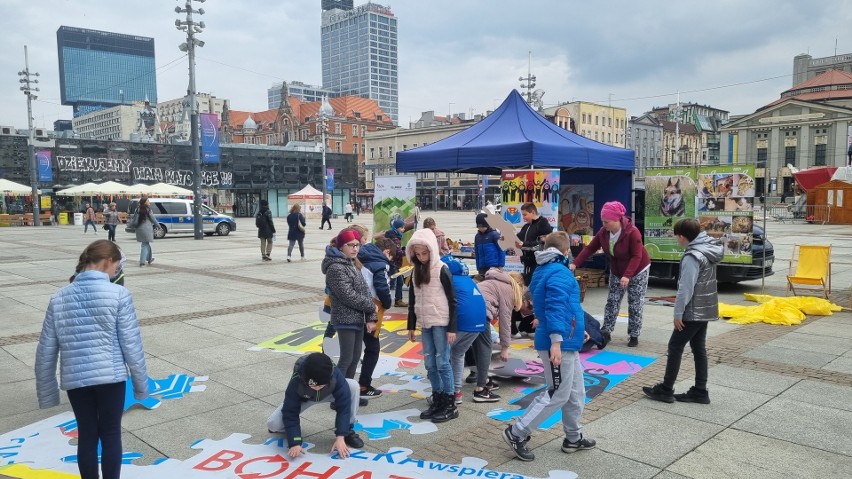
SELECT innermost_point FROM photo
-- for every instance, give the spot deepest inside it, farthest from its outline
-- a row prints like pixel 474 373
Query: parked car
pixel 175 216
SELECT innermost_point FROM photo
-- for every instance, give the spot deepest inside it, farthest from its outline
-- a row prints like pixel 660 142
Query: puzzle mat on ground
pixel 602 370
pixel 233 458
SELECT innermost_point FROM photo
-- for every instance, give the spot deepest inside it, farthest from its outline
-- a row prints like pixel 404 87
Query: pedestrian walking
pixel 347 212
pixel 265 230
pixel 111 220
pixel 145 223
pixel 296 231
pixel 326 216
pixel 91 330
pixel 89 219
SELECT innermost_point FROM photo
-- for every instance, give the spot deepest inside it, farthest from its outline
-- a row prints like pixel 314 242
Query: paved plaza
pixel 780 394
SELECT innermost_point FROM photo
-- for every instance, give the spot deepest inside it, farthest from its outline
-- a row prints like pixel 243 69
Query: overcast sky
pixel 468 53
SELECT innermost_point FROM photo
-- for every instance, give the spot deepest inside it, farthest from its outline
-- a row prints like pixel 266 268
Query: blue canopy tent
pixel 517 137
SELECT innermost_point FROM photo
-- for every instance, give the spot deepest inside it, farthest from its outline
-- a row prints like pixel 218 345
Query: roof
pixel 829 78
pixel 823 87
pixel 345 107
pixel 684 129
pixel 238 118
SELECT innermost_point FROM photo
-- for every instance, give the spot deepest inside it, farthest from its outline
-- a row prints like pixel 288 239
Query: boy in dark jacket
pixel 326 216
pixel 265 230
pixel 316 380
pixel 487 248
pixel 395 235
pixel 697 304
pixel 558 339
pixel 529 238
pixel 375 258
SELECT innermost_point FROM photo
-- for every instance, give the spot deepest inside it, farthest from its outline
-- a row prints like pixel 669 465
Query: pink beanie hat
pixel 612 211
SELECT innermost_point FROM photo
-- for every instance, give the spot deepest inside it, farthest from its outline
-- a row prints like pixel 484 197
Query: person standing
pixel 697 304
pixel 530 238
pixel 265 230
pixel 629 266
pixel 347 212
pixel 89 219
pixel 439 235
pixel 145 224
pixel 375 258
pixel 54 209
pixel 488 252
pixel 395 234
pixel 296 231
pixel 326 216
pixel 91 329
pixel 558 339
pixel 111 220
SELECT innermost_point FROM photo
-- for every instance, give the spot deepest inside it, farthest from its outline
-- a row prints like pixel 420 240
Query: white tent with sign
pixel 10 188
pixel 311 200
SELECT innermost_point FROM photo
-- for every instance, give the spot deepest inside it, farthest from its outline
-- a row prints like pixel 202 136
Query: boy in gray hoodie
pixel 697 303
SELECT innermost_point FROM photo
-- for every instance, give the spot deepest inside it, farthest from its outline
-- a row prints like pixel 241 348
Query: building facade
pixel 122 122
pixel 297 89
pixel 359 53
pixel 707 121
pixel 100 69
pixel 602 123
pixel 810 125
pixel 645 138
pixel 806 67
pixel 174 115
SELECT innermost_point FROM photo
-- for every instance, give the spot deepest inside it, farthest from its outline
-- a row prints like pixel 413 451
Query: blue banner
pixel 209 138
pixel 329 179
pixel 45 172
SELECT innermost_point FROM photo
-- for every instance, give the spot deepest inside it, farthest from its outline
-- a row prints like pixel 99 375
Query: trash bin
pixel 63 218
pixel 78 219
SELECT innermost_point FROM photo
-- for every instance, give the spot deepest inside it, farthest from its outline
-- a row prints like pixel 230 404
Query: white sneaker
pixel 517 336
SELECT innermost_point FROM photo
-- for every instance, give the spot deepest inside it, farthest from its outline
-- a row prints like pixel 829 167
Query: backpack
pixel 259 220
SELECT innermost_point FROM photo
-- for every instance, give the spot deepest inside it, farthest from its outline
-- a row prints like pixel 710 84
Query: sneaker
pixel 525 334
pixel 492 385
pixel 699 396
pixel 303 258
pixel 141 264
pixel 400 304
pixel 517 336
pixel 151 260
pixel 471 378
pixel 333 406
pixel 607 337
pixel 288 259
pixel 582 443
pixel 363 402
pixel 633 342
pixel 659 393
pixel 370 392
pixel 518 445
pixel 459 397
pixel 353 440
pixel 485 395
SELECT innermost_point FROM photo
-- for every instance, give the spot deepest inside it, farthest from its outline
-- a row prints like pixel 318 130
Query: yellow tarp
pixel 786 311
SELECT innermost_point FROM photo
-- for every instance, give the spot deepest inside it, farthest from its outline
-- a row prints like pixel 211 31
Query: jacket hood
pixel 708 246
pixel 332 256
pixel 549 255
pixel 370 253
pixel 626 226
pixel 498 275
pixel 457 268
pixel 423 237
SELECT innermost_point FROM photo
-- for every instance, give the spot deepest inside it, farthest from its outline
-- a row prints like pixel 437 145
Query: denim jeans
pixel 400 282
pixel 86 226
pixel 436 356
pixel 111 232
pixel 145 253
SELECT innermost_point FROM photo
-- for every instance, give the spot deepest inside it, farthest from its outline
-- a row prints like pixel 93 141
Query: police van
pixel 175 216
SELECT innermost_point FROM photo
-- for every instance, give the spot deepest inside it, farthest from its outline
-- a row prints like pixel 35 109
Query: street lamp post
pixel 191 28
pixel 28 90
pixel 325 111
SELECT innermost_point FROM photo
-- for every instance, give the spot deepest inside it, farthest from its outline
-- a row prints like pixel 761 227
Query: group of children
pixel 453 313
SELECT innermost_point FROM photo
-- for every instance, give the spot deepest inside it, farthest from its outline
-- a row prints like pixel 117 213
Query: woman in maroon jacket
pixel 628 268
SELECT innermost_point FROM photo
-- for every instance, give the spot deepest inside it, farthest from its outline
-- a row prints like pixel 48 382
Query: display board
pixel 395 198
pixel 540 187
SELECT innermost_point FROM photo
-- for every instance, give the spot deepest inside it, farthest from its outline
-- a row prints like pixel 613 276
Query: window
pixel 819 155
pixel 355 131
pixel 596 119
pixel 338 147
pixel 381 152
pixel 596 136
pixel 390 152
pixel 338 128
pixel 372 153
pixel 610 122
pixel 355 148
pixel 363 131
pixel 761 157
pixel 790 155
pixel 318 127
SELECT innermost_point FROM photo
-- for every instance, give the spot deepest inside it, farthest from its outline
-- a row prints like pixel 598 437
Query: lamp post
pixel 191 28
pixel 324 112
pixel 28 90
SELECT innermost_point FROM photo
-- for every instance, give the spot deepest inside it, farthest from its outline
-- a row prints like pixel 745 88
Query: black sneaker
pixel 607 337
pixel 492 385
pixel 699 396
pixel 633 342
pixel 370 392
pixel 659 393
pixel 471 378
pixel 518 445
pixel 363 402
pixel 485 395
pixel 582 443
pixel 333 406
pixel 353 440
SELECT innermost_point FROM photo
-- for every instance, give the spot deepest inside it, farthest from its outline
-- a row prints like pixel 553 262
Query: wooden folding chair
pixel 813 269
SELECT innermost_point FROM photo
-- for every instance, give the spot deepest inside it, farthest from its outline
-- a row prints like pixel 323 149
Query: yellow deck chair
pixel 813 269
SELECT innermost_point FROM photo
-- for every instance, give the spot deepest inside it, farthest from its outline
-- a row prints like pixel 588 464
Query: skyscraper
pixel 100 69
pixel 359 53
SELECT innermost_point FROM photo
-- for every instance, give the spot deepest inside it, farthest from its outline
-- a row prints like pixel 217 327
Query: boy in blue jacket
pixel 316 380
pixel 487 246
pixel 375 258
pixel 558 338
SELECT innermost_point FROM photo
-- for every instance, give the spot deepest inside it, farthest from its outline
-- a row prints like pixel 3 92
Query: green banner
pixel 395 199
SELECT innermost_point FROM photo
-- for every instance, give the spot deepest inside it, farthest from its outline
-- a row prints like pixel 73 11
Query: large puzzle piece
pixel 410 382
pixel 378 426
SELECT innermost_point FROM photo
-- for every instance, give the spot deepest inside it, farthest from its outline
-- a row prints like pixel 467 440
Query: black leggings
pixel 98 410
pixel 694 333
pixel 369 359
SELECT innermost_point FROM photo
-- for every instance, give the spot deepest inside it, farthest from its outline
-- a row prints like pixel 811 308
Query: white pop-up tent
pixel 311 200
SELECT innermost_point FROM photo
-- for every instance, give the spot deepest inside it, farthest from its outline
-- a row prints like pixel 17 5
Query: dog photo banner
pixel 720 197
pixel 540 187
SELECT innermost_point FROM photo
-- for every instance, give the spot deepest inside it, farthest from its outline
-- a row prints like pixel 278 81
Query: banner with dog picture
pixel 540 187
pixel 721 198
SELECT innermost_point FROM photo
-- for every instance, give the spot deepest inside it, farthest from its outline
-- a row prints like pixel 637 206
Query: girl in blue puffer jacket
pixel 91 328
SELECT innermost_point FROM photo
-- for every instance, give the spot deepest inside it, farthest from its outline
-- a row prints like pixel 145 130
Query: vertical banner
pixel 540 187
pixel 209 138
pixel 329 179
pixel 577 210
pixel 721 198
pixel 394 198
pixel 45 172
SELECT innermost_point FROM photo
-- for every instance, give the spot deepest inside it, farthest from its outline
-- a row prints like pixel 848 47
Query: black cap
pixel 318 369
pixel 264 203
pixel 481 221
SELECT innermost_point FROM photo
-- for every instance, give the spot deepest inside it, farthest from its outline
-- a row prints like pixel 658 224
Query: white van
pixel 175 216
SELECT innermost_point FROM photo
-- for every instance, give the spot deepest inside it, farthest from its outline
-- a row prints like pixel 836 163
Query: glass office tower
pixel 100 69
pixel 359 54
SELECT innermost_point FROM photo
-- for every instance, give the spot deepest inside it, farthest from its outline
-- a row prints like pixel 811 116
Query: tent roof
pixel 513 136
pixel 12 188
pixel 814 176
pixel 306 192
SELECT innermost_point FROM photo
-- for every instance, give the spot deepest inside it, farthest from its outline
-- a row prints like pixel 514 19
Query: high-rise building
pixel 101 69
pixel 359 54
pixel 341 4
pixel 297 89
pixel 806 67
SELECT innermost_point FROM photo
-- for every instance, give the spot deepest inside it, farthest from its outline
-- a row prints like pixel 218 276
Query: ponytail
pixel 96 252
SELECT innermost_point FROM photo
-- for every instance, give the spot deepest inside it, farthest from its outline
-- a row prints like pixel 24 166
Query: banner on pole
pixel 209 138
pixel 45 172
pixel 329 179
pixel 394 198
